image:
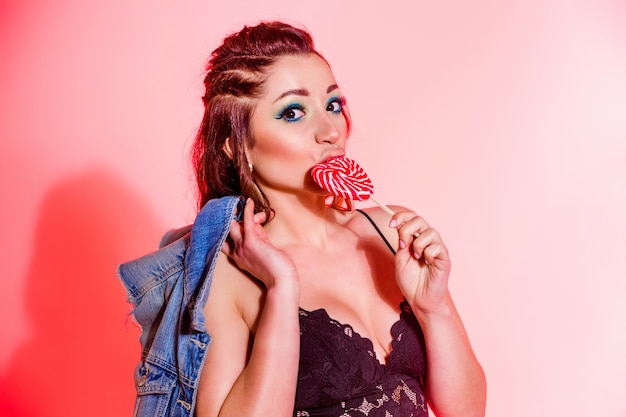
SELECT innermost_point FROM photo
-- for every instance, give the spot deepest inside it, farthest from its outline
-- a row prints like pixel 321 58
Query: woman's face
pixel 297 123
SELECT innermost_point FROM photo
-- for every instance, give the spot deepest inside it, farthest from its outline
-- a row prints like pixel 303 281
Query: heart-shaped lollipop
pixel 343 177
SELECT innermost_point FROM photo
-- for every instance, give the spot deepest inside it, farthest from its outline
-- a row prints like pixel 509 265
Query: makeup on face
pixel 295 111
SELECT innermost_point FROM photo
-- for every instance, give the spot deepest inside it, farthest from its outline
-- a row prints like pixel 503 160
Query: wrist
pixel 285 287
pixel 433 315
pixel 443 310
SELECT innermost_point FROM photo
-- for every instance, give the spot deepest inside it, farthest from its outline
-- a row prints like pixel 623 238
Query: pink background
pixel 502 122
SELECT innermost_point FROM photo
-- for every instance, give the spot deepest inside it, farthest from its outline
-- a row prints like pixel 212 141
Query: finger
pixel 235 231
pixel 260 217
pixel 412 229
pixel 234 235
pixel 259 221
pixel 427 240
pixel 400 217
pixel 248 217
pixel 435 252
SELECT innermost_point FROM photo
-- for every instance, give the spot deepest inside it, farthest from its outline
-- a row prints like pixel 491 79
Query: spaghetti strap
pixel 378 230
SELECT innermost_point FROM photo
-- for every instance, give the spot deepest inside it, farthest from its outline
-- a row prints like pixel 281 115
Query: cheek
pixel 275 139
pixel 276 148
pixel 264 141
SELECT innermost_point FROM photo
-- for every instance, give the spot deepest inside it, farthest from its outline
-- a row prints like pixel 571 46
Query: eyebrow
pixel 304 92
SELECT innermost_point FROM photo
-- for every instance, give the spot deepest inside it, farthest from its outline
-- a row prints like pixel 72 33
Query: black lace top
pixel 340 376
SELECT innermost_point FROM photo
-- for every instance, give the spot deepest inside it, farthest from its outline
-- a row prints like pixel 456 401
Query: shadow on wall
pixel 83 348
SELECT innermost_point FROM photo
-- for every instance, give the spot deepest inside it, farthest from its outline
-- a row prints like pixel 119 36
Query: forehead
pixel 309 72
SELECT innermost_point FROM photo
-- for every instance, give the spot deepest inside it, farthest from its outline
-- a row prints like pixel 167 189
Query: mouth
pixel 333 155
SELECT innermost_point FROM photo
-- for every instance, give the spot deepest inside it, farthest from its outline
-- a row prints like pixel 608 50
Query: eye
pixel 335 105
pixel 291 113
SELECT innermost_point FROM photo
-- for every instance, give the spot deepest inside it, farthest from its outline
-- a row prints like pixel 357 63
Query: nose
pixel 328 128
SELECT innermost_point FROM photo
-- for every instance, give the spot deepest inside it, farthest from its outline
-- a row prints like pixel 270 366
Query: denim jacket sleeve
pixel 168 290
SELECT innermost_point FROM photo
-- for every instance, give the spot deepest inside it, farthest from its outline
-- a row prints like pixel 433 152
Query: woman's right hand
pixel 249 247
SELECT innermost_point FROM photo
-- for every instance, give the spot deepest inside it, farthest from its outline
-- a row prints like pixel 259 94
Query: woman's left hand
pixel 422 263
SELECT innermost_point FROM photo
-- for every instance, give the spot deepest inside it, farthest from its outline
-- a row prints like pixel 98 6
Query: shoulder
pixel 233 294
pixel 381 219
pixel 380 216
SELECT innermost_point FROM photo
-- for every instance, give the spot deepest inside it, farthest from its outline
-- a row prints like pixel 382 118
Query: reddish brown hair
pixel 235 76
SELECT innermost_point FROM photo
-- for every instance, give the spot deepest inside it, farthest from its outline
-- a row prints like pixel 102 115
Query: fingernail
pixel 416 255
pixel 392 224
pixel 402 244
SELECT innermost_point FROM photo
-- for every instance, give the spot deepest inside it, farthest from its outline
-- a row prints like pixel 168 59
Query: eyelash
pixel 290 108
pixel 341 101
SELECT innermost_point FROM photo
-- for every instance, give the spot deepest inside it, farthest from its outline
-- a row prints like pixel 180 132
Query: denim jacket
pixel 168 289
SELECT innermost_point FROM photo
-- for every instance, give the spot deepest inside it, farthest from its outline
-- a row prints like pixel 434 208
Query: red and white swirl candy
pixel 343 177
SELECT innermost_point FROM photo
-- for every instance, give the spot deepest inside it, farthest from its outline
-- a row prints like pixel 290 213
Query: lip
pixel 332 155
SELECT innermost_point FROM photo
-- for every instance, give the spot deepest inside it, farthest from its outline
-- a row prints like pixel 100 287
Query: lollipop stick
pixel 388 211
pixel 382 206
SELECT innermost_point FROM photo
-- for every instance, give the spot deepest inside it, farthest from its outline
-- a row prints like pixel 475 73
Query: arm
pixel 246 375
pixel 455 382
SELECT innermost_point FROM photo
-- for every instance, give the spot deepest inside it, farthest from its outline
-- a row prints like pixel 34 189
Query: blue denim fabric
pixel 168 289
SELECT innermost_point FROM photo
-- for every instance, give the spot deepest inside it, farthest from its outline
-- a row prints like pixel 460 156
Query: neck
pixel 302 220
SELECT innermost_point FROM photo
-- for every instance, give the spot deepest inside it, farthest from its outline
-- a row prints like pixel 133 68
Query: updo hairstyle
pixel 235 76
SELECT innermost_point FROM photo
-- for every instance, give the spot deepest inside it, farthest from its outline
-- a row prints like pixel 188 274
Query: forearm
pixel 455 382
pixel 267 385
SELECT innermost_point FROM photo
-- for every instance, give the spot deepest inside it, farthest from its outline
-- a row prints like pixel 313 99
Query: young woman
pixel 296 307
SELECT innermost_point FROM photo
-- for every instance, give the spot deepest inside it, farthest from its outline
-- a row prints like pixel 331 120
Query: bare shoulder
pixel 378 214
pixel 381 218
pixel 233 293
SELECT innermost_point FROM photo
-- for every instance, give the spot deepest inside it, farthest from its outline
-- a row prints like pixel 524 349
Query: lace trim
pixel 382 403
pixel 365 343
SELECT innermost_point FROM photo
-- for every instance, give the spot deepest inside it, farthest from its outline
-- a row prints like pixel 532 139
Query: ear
pixel 227 149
